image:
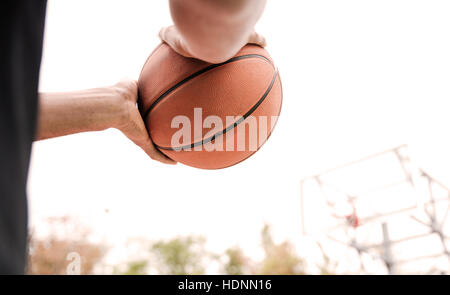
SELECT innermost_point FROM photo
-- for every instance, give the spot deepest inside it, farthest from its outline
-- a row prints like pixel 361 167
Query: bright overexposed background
pixel 358 77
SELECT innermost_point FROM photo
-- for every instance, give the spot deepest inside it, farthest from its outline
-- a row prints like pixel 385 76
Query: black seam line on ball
pixel 198 73
pixel 220 133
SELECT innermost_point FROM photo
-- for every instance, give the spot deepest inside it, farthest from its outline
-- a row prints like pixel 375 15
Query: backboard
pixel 382 206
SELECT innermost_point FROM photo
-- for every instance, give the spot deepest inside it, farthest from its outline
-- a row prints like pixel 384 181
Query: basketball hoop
pixel 344 209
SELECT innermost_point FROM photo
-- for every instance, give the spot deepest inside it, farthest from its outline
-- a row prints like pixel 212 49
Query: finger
pixel 172 37
pixel 137 133
pixel 162 34
pixel 146 144
pixel 150 149
pixel 257 39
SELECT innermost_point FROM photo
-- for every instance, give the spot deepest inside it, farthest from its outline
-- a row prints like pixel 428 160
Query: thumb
pixel 257 39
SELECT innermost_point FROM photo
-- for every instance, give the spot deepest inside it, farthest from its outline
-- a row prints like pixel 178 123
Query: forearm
pixel 215 30
pixel 67 113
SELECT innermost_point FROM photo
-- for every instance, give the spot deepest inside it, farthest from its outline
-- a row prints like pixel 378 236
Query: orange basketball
pixel 209 116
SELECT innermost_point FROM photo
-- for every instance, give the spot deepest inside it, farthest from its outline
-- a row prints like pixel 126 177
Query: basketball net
pixel 344 209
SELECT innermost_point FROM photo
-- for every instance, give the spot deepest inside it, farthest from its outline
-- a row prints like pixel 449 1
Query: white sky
pixel 358 77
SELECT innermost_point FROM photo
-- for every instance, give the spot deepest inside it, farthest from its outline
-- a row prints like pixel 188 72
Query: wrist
pixel 117 108
pixel 122 103
pixel 103 108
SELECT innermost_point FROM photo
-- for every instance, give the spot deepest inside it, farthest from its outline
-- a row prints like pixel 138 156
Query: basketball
pixel 209 116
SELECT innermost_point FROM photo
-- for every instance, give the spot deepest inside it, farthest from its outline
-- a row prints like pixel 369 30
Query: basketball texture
pixel 209 116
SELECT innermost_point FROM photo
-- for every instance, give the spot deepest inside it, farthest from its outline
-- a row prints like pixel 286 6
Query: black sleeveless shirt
pixel 21 34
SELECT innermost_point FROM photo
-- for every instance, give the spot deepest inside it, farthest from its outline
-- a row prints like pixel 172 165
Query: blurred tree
pixel 236 262
pixel 280 259
pixel 136 268
pixel 56 256
pixel 179 256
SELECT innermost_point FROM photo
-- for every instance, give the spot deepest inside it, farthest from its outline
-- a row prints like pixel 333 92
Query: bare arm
pixel 96 109
pixel 213 30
